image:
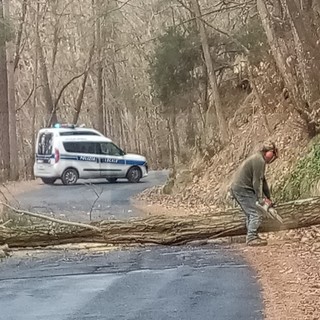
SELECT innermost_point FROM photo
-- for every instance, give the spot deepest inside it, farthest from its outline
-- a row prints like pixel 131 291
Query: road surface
pixel 159 283
pixel 103 199
pixel 150 283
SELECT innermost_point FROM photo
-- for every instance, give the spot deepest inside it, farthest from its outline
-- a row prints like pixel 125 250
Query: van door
pixel 83 156
pixel 112 163
pixel 44 152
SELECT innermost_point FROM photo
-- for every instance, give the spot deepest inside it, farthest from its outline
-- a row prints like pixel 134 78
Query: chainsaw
pixel 268 210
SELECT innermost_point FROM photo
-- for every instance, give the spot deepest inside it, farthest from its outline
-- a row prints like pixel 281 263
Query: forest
pixel 170 79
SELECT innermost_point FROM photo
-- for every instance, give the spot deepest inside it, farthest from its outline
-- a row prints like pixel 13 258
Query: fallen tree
pixel 157 229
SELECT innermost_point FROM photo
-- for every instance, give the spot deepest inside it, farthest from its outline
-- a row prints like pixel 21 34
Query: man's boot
pixel 257 242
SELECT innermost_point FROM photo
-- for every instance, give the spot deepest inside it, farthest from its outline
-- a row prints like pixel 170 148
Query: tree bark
pixel 4 106
pixel 174 133
pixel 56 30
pixel 161 229
pixel 51 111
pixel 14 158
pixel 171 145
pixel 281 40
pixel 100 113
pixel 21 26
pixel 307 50
pixel 35 85
pixel 211 74
pixel 83 85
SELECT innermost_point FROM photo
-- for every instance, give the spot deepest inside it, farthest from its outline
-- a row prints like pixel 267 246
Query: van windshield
pixel 45 143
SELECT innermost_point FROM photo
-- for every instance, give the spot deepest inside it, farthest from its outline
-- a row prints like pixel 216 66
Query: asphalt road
pixel 103 199
pixel 153 283
pixel 180 283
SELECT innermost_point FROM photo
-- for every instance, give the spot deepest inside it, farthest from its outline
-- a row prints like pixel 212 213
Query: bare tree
pixel 295 53
pixel 100 64
pixel 35 86
pixel 14 163
pixel 212 76
pixel 51 110
pixel 4 105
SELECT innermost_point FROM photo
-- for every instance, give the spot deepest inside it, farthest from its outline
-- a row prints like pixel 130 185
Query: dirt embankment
pixel 288 270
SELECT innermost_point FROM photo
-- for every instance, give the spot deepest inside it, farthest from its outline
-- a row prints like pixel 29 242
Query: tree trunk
pixel 21 26
pixel 258 98
pixel 80 98
pixel 211 74
pixel 56 30
pixel 307 50
pixel 51 111
pixel 100 115
pixel 280 39
pixel 4 107
pixel 14 158
pixel 161 229
pixel 171 145
pixel 174 133
pixel 151 138
pixel 83 86
pixel 35 85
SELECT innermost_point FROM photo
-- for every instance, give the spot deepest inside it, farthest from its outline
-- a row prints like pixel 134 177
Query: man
pixel 249 187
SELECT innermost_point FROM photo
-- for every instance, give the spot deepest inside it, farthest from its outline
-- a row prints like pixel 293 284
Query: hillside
pixel 204 183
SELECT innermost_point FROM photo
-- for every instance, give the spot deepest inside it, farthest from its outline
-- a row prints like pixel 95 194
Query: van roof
pixel 86 138
pixel 68 129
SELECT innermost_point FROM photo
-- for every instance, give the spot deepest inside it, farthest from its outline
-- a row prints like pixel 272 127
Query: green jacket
pixel 251 176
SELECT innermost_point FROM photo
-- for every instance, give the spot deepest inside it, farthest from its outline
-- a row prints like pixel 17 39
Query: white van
pixel 72 153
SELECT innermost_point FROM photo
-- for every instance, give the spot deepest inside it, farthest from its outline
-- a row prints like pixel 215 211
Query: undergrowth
pixel 304 176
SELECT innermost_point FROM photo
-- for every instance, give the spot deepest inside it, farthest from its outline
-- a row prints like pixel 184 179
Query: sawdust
pixel 288 270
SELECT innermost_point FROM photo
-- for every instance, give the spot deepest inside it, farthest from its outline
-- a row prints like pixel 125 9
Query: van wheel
pixel 112 180
pixel 134 174
pixel 48 180
pixel 70 176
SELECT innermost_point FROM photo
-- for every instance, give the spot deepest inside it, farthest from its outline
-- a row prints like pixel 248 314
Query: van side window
pixel 45 143
pixel 110 149
pixel 80 147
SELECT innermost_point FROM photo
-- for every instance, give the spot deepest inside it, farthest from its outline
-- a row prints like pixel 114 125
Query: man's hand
pixel 268 202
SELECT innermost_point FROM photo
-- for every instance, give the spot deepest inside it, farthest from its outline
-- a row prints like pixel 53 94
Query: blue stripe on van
pixel 101 160
pixel 135 162
pixel 79 158
pixel 69 158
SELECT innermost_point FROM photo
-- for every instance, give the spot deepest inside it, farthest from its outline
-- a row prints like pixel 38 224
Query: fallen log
pixel 159 229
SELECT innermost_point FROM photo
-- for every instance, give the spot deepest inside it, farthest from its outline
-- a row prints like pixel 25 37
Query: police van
pixel 68 153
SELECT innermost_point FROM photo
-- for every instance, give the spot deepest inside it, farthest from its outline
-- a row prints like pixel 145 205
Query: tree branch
pixel 28 98
pixel 65 86
pixel 19 34
pixel 41 216
pixel 186 21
